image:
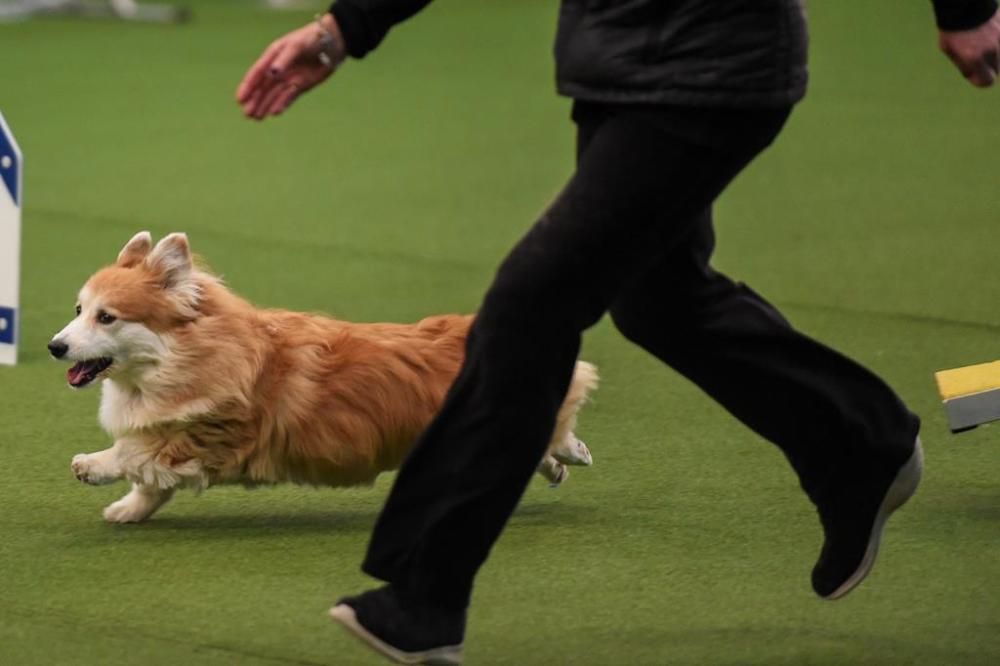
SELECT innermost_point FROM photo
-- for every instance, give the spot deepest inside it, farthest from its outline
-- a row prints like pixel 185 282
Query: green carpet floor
pixel 392 193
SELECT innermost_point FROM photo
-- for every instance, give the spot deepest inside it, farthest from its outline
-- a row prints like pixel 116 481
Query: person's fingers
pixel 969 67
pixel 992 60
pixel 266 90
pixel 267 100
pixel 251 101
pixel 980 69
pixel 982 76
pixel 288 95
pixel 258 71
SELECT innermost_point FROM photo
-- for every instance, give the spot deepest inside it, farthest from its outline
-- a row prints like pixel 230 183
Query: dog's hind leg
pixel 553 470
pixel 141 503
pixel 564 447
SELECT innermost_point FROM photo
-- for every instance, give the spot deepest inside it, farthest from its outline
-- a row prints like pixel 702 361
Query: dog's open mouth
pixel 84 372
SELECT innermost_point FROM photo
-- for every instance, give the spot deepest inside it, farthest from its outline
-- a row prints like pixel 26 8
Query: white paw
pixel 553 470
pixel 128 510
pixel 573 452
pixel 87 469
pixel 562 473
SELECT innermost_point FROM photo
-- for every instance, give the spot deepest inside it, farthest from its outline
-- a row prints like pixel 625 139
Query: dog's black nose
pixel 58 349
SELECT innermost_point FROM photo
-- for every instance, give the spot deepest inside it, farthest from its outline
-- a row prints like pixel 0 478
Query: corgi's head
pixel 125 310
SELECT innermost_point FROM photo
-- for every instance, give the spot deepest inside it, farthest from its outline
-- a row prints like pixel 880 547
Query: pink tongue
pixel 77 373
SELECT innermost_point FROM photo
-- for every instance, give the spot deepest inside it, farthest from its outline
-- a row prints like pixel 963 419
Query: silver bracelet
pixel 329 47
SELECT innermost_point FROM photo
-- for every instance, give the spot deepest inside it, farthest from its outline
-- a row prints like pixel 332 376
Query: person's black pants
pixel 631 234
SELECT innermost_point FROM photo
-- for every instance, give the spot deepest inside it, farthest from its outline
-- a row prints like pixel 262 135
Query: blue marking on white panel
pixel 9 163
pixel 7 325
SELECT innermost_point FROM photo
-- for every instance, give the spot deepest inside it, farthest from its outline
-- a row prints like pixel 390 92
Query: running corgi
pixel 201 388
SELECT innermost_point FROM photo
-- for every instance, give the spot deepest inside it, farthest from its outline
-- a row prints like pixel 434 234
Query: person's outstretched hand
pixel 975 52
pixel 290 66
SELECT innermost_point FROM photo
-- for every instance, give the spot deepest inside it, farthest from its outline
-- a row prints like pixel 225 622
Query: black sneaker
pixel 403 630
pixel 852 523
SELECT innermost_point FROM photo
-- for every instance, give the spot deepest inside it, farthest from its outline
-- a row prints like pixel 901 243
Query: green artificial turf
pixel 392 193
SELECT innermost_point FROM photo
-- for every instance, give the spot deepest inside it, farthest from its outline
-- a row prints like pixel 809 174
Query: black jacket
pixel 736 53
pixel 689 52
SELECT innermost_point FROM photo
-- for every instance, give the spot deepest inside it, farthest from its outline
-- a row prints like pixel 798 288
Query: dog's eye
pixel 105 318
pixel 78 310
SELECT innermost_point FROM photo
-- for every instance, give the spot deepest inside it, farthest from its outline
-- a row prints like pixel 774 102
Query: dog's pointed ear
pixel 135 250
pixel 172 259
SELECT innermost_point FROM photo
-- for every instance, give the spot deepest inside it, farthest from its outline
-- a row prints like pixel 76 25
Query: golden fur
pixel 207 389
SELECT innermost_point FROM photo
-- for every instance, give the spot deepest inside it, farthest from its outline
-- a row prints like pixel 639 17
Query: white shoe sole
pixel 902 489
pixel 449 655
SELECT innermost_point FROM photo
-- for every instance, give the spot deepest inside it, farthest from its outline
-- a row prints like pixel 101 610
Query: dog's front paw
pixel 89 470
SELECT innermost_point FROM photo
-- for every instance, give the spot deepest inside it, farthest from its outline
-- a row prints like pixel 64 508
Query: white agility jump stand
pixel 10 242
pixel 128 10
